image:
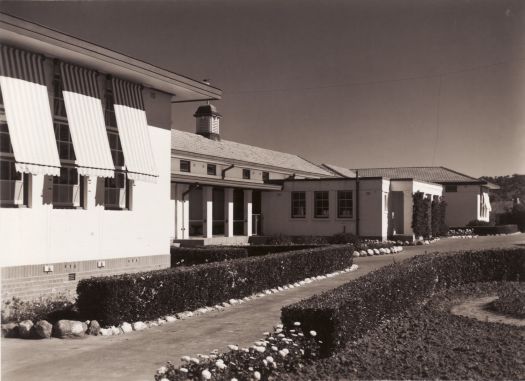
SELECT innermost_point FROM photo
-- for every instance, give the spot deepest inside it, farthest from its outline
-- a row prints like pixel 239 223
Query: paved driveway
pixel 137 355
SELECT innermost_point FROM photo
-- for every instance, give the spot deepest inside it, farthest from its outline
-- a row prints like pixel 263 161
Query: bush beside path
pixel 137 355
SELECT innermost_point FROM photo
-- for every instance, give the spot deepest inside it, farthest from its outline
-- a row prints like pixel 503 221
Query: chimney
pixel 207 122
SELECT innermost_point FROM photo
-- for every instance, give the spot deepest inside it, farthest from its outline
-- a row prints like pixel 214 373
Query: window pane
pixel 298 204
pixel 321 205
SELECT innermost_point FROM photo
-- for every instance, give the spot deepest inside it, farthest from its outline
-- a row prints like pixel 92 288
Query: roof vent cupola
pixel 207 122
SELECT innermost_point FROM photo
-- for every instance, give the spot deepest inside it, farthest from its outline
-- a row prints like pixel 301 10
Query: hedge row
pixel 148 295
pixel 187 256
pixel 499 229
pixel 347 312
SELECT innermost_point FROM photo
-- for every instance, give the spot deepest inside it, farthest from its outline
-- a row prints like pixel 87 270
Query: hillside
pixel 511 187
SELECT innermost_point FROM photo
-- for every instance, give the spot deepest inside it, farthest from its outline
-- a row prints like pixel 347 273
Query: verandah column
pixel 207 212
pixel 228 212
pixel 248 193
pixel 182 211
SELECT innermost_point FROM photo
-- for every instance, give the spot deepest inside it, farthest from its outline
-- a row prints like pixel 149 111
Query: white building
pixel 85 137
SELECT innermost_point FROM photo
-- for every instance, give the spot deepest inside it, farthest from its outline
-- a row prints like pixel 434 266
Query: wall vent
pixel 72 276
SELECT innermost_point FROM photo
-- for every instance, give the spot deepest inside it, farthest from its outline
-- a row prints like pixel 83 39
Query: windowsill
pixel 115 209
pixel 11 206
pixel 345 218
pixel 68 207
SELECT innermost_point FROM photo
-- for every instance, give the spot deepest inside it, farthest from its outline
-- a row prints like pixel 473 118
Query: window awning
pixel 133 131
pixel 28 114
pixel 86 121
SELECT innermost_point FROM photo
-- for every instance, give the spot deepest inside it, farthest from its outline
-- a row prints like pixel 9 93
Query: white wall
pixel 41 234
pixel 276 209
pixel 464 205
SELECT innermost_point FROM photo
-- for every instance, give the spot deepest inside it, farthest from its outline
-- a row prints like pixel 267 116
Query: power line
pixel 377 82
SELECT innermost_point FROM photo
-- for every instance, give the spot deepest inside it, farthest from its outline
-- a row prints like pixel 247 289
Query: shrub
pixel 297 240
pixel 515 216
pixel 500 229
pixel 148 295
pixel 348 311
pixel 421 215
pixel 199 255
pixel 443 227
pixel 511 301
pixel 259 250
pixel 479 223
pixel 281 352
pixel 342 238
pixel 45 308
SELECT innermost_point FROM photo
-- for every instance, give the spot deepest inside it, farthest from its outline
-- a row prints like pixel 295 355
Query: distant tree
pixel 512 187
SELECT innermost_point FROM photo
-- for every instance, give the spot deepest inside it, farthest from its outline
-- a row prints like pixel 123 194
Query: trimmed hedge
pixel 187 256
pixel 347 312
pixel 499 229
pixel 148 295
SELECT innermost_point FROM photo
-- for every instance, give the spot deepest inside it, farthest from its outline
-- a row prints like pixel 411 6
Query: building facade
pixel 85 137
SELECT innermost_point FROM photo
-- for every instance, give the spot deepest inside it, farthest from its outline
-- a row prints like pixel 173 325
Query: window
pixel 13 185
pixel 345 204
pixel 111 126
pixel 451 188
pixel 64 142
pixel 68 189
pixel 212 169
pixel 117 195
pixel 266 176
pixel 246 175
pixel 185 166
pixel 321 205
pixel 61 127
pixel 298 205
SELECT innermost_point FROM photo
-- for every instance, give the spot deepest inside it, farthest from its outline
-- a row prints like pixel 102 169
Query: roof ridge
pixel 462 174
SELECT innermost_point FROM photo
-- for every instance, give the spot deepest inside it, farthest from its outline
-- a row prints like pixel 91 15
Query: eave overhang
pixel 224 183
pixel 51 43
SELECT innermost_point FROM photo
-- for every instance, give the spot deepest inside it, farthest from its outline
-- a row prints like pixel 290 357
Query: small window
pixel 185 166
pixel 117 193
pixel 266 176
pixel 246 174
pixel 345 204
pixel 13 185
pixel 321 205
pixel 451 188
pixel 298 205
pixel 68 189
pixel 64 142
pixel 212 169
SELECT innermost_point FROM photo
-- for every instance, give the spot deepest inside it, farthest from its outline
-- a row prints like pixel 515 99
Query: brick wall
pixel 31 282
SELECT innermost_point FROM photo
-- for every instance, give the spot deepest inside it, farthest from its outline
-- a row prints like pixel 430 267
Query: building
pixel 225 192
pixel 467 197
pixel 219 186
pixel 85 136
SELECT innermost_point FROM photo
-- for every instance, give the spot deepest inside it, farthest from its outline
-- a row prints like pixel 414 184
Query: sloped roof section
pixel 430 174
pixel 225 149
pixel 340 171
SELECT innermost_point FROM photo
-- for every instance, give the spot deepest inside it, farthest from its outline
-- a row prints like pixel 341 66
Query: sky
pixel 353 83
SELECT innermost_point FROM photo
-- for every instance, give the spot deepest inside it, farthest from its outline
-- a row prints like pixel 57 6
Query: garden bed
pixel 349 311
pixel 430 343
pixel 510 301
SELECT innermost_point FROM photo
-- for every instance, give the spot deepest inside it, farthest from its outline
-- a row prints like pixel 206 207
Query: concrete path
pixel 136 356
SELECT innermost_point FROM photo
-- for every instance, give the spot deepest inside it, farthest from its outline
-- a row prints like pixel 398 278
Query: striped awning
pixel 27 111
pixel 85 117
pixel 133 131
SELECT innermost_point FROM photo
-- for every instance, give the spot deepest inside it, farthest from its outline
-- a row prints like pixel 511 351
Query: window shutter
pixel 122 198
pixel 76 195
pixel 19 192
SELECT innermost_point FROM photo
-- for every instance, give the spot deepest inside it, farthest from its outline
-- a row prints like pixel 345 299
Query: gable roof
pixel 340 171
pixel 225 149
pixel 430 174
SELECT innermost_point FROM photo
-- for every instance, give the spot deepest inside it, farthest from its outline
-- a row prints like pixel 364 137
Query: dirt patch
pixel 477 309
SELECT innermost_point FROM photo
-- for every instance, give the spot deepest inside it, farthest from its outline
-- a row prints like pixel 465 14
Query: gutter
pixel 226 170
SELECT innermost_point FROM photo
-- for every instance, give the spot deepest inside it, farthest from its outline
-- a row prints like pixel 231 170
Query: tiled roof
pixel 193 143
pixel 340 171
pixel 430 174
